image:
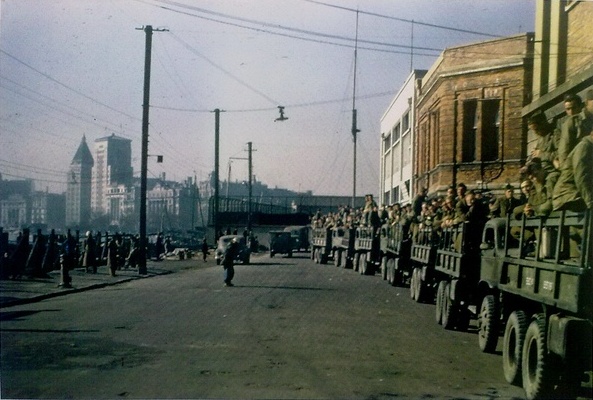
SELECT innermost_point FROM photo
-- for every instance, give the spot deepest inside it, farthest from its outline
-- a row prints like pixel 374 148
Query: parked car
pixel 243 255
pixel 280 243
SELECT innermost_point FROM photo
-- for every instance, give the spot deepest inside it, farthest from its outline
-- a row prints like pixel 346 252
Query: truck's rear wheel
pixel 488 324
pixel 449 309
pixel 421 288
pixel 413 283
pixel 512 347
pixel 338 258
pixel 362 264
pixel 356 262
pixel 439 302
pixel 391 273
pixel 538 371
pixel 317 256
pixel 384 268
pixel 347 262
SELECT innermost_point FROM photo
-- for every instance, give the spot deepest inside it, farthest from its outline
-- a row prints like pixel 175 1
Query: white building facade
pixel 113 166
pixel 397 143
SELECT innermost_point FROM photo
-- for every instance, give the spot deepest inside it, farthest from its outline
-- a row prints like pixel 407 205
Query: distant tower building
pixel 78 194
pixel 113 166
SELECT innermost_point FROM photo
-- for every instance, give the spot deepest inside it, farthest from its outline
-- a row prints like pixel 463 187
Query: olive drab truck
pixel 457 273
pixel 422 257
pixel 538 272
pixel 367 250
pixel 343 246
pixel 321 245
pixel 395 254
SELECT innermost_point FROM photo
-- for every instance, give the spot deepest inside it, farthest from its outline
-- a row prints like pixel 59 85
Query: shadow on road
pixel 17 315
pixel 281 287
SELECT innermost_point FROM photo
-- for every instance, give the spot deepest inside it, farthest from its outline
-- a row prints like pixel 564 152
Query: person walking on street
pixel 228 262
pixel 204 249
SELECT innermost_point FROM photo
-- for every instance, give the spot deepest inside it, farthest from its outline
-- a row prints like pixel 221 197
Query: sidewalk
pixel 29 290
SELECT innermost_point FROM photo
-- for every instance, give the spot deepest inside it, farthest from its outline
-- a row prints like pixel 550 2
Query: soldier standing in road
pixel 228 262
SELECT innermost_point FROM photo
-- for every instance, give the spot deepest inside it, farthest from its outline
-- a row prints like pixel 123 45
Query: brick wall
pixel 580 37
pixel 491 75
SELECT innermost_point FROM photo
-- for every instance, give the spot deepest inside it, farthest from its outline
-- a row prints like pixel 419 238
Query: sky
pixel 74 68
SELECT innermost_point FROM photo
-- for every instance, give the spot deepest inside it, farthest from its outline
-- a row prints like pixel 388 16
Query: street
pixel 288 329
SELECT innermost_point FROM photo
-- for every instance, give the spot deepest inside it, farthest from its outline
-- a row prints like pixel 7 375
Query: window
pixel 470 130
pixel 490 129
pixel 406 122
pixel 396 133
pixel 395 194
pixel 387 142
pixel 406 150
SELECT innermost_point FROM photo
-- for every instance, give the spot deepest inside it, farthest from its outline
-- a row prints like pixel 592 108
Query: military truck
pixel 280 243
pixel 367 250
pixel 422 258
pixel 457 274
pixel 321 245
pixel 395 254
pixel 343 246
pixel 300 237
pixel 537 277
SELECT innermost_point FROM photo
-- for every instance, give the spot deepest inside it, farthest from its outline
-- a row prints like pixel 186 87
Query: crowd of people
pixel 558 175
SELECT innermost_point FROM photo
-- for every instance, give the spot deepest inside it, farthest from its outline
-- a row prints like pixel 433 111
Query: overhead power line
pixel 67 87
pixel 402 19
pixel 292 36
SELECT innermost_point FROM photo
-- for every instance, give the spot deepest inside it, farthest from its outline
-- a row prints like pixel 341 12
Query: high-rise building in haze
pixel 78 193
pixel 113 166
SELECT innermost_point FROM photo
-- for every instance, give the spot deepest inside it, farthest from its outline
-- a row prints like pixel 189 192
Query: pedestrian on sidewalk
pixel 205 250
pixel 228 261
pixel 89 258
pixel 112 253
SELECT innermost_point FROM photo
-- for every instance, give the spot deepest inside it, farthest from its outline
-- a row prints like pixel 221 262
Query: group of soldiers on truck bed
pixel 558 175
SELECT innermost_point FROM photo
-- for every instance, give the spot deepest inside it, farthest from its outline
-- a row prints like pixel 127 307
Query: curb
pixel 35 299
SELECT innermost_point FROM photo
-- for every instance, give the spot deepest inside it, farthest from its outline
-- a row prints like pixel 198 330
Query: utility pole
pixel 355 129
pixel 144 163
pixel 216 172
pixel 250 168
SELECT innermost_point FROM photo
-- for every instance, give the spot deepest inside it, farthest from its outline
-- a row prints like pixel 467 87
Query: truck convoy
pixel 529 280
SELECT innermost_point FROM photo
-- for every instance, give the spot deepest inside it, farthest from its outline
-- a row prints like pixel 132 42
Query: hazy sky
pixel 70 68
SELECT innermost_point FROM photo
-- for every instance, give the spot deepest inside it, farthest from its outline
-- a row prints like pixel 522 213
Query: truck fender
pixel 570 337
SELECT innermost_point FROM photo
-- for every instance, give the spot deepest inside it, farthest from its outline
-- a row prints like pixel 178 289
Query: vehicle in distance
pixel 243 255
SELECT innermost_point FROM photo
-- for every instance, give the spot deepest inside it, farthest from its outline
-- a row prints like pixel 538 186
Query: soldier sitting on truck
pixel 474 214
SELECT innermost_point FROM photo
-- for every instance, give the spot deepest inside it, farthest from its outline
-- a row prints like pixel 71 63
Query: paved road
pixel 288 329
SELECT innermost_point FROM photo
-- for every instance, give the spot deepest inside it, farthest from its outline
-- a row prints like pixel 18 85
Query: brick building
pixel 469 124
pixel 563 56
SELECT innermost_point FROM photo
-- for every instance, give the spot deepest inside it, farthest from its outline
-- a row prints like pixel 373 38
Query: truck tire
pixel 413 283
pixel 391 272
pixel 338 258
pixel 347 262
pixel 512 347
pixel 362 264
pixel 488 324
pixel 384 268
pixel 439 302
pixel 449 315
pixel 538 370
pixel 421 288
